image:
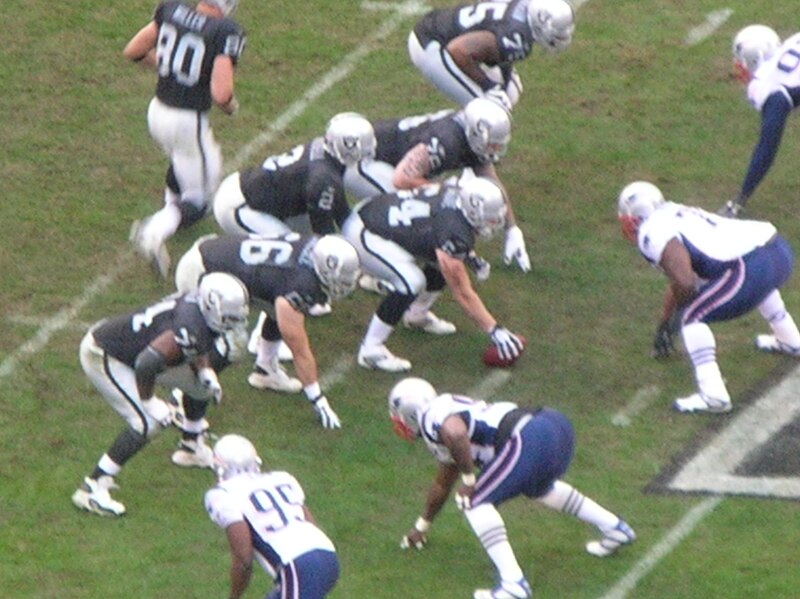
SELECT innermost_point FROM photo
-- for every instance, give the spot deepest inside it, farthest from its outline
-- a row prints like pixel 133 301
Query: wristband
pixel 313 391
pixel 468 479
pixel 422 525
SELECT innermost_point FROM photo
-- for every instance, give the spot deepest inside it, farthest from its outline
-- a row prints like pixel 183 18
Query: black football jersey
pixel 506 19
pixel 420 221
pixel 444 134
pixel 304 180
pixel 270 267
pixel 124 337
pixel 188 43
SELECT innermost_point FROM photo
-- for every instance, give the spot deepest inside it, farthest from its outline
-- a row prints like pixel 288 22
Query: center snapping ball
pixel 492 358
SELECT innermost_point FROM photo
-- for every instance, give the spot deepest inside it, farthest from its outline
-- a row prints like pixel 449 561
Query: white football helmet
pixel 337 265
pixel 753 45
pixel 226 6
pixel 224 301
pixel 235 454
pixel 552 23
pixel 350 138
pixel 488 128
pixel 637 201
pixel 483 204
pixel 406 398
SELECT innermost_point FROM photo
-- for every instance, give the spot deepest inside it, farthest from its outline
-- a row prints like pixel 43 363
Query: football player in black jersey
pixel 195 51
pixel 178 342
pixel 468 51
pixel 417 242
pixel 285 275
pixel 414 151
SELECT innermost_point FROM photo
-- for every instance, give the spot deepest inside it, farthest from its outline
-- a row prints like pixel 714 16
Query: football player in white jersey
pixel 265 519
pixel 771 70
pixel 178 342
pixel 719 269
pixel 195 51
pixel 498 451
pixel 418 242
pixel 468 51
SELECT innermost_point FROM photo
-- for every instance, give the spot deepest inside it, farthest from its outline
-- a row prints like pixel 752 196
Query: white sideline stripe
pixel 32 321
pixel 641 400
pixel 65 316
pixel 714 21
pixel 62 318
pixel 713 468
pixel 663 548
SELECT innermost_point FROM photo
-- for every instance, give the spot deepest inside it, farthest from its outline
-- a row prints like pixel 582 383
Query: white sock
pixel 488 525
pixel 267 354
pixel 780 321
pixel 566 498
pixel 377 332
pixel 702 348
pixel 163 224
pixel 106 464
pixel 422 304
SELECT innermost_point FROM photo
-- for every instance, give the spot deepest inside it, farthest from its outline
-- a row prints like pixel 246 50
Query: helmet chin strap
pixel 402 430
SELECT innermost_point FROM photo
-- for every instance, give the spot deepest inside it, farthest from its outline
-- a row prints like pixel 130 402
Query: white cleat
pixel 380 358
pixel 276 379
pixel 770 343
pixel 698 402
pixel 152 249
pixel 94 496
pixel 320 309
pixel 193 454
pixel 430 323
pixel 612 540
pixel 506 590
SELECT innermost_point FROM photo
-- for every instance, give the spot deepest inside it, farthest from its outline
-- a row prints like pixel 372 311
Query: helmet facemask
pixel 224 301
pixel 350 138
pixel 337 266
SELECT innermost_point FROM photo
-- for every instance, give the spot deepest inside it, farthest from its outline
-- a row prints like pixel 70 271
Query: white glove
pixel 498 95
pixel 327 416
pixel 507 343
pixel 464 502
pixel 208 378
pixel 158 410
pixel 515 249
pixel 482 268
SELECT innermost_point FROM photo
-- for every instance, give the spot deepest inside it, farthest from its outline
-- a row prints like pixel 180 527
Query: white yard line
pixel 714 21
pixel 663 548
pixel 640 401
pixel 69 314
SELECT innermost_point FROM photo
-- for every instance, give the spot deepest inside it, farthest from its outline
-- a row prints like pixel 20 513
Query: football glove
pixel 508 344
pixel 515 249
pixel 417 536
pixel 733 208
pixel 158 410
pixel 482 268
pixel 327 416
pixel 663 343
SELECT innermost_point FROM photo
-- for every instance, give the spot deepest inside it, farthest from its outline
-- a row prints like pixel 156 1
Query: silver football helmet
pixel 235 454
pixel 224 301
pixel 406 398
pixel 337 265
pixel 228 7
pixel 552 23
pixel 753 45
pixel 637 201
pixel 350 138
pixel 488 128
pixel 483 204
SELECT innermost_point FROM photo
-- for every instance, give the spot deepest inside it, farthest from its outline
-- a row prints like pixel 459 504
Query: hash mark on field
pixel 489 385
pixel 407 8
pixel 714 21
pixel 641 400
pixel 671 540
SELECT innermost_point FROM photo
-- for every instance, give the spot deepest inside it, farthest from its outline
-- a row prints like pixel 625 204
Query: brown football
pixel 491 356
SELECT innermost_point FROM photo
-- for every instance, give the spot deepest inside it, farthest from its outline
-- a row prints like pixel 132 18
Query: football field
pixel 646 91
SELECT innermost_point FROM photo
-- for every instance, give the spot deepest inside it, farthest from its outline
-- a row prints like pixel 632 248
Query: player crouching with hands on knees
pixel 495 452
pixel 171 343
pixel 264 516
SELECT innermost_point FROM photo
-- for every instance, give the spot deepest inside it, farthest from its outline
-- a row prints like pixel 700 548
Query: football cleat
pixel 276 379
pixel 94 496
pixel 320 309
pixel 152 249
pixel 380 358
pixel 430 323
pixel 698 402
pixel 770 343
pixel 506 590
pixel 193 454
pixel 613 539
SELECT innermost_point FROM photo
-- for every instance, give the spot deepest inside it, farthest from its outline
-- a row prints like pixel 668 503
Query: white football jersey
pixel 708 237
pixel 272 505
pixel 780 72
pixel 482 421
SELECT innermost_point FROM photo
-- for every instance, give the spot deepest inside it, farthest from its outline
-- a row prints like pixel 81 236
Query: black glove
pixel 732 209
pixel 663 346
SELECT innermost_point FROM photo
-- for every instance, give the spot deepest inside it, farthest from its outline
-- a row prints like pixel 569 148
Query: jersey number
pixel 142 320
pixel 273 163
pixel 182 58
pixel 469 16
pixel 265 251
pixel 278 506
pixel 407 211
